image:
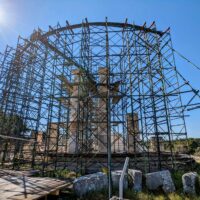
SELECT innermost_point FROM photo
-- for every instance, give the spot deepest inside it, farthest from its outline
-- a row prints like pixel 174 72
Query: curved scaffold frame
pixel 79 94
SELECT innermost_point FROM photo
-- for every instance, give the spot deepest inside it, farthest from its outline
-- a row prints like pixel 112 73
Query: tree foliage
pixel 12 125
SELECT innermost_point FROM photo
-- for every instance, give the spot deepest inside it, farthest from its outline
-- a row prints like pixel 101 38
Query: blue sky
pixel 20 17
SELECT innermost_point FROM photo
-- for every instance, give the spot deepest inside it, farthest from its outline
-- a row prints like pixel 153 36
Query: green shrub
pixel 177 178
pixel 104 170
pixel 197 186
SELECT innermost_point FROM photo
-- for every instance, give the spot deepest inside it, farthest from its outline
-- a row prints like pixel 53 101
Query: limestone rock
pixel 88 183
pixel 116 177
pixel 158 179
pixel 116 198
pixel 136 177
pixel 189 180
pixel 71 144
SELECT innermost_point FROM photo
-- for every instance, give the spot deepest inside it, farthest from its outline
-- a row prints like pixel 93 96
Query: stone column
pixel 133 132
pixel 102 110
pixel 153 143
pixel 73 119
pixel 52 136
pixel 79 111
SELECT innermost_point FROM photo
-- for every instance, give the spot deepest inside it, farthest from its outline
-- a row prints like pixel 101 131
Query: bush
pixel 197 151
pixel 177 178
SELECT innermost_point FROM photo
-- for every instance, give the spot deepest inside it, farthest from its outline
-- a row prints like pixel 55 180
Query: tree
pixel 11 125
pixel 193 145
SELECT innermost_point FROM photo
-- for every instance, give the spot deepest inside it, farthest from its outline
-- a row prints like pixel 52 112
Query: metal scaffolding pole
pixel 81 97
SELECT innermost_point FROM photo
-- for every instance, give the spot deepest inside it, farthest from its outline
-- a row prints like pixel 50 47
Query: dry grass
pixel 145 195
pixel 197 159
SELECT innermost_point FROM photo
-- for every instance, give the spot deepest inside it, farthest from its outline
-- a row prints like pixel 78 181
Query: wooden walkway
pixel 17 186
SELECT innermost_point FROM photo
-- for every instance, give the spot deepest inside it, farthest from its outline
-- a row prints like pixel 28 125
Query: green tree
pixel 193 145
pixel 11 125
pixel 14 126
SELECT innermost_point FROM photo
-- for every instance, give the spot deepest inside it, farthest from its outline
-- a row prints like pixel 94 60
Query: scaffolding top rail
pixel 38 35
pixel 113 24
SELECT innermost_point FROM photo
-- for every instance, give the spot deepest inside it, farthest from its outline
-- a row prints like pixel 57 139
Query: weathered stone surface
pixel 88 183
pixel 115 179
pixel 116 198
pixel 136 178
pixel 189 180
pixel 71 144
pixel 162 179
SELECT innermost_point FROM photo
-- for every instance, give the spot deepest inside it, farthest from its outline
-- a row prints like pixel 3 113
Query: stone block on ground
pixel 162 179
pixel 116 198
pixel 136 179
pixel 116 177
pixel 88 183
pixel 189 181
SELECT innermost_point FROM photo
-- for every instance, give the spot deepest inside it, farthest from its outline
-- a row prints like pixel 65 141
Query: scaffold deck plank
pixel 29 188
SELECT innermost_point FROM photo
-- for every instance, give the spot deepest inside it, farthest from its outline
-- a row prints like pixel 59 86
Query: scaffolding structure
pixel 79 91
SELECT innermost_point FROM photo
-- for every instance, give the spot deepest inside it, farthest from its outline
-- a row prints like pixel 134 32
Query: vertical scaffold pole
pixel 108 116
